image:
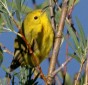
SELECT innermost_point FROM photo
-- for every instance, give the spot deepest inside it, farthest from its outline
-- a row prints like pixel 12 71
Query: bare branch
pixel 62 66
pixel 86 73
pixel 80 70
pixel 57 42
pixel 52 14
pixel 6 50
pixel 58 80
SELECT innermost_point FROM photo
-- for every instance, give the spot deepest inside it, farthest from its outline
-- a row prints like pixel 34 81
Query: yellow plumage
pixel 39 34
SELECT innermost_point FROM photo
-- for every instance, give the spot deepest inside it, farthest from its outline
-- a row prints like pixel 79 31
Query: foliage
pixel 25 76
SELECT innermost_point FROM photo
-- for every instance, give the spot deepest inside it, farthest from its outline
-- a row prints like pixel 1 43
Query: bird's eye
pixel 36 17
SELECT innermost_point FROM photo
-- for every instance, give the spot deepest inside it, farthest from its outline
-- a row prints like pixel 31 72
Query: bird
pixel 38 32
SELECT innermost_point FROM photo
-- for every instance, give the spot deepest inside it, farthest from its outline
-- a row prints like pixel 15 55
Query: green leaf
pixel 68 80
pixel 1 24
pixel 2 9
pixel 82 79
pixel 18 15
pixel 1 29
pixel 18 4
pixel 4 1
pixel 75 57
pixel 1 19
pixel 81 34
pixel 74 37
pixel 44 4
pixel 72 1
pixel 3 81
pixel 7 21
pixel 5 69
pixel 26 76
pixel 69 43
pixel 24 9
pixel 57 16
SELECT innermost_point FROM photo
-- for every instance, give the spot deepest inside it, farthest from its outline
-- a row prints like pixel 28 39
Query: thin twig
pixel 62 66
pixel 68 17
pixel 71 9
pixel 57 42
pixel 62 70
pixel 42 75
pixel 80 70
pixel 86 73
pixel 8 78
pixel 65 67
pixel 52 14
pixel 58 81
pixel 6 50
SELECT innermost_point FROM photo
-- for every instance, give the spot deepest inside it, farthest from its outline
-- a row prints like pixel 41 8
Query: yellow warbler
pixel 39 34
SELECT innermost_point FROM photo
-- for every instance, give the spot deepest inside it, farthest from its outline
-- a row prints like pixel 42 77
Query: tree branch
pixel 57 41
pixel 62 66
pixel 52 14
pixel 80 70
pixel 86 73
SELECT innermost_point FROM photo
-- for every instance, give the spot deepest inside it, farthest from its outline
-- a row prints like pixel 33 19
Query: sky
pixel 7 39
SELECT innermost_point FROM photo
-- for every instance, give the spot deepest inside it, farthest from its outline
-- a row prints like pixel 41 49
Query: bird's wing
pixel 20 51
pixel 22 55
